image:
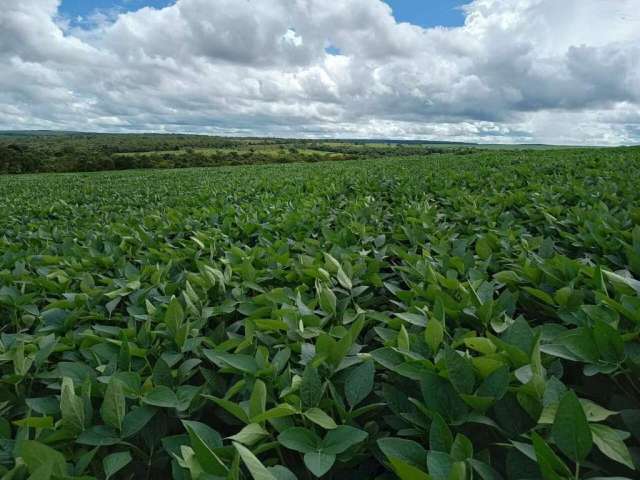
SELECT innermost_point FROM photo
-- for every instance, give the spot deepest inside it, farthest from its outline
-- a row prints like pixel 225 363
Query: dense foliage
pixel 444 317
pixel 31 152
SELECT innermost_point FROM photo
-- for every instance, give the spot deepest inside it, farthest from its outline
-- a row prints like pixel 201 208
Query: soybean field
pixel 434 317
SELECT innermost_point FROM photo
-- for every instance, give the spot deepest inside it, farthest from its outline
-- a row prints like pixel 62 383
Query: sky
pixel 494 71
pixel 426 13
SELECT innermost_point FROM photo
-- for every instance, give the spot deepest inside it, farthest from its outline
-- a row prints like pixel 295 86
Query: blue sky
pixel 426 13
pixel 75 8
pixel 429 13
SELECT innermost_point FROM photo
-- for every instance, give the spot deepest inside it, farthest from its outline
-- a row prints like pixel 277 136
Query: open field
pixel 439 317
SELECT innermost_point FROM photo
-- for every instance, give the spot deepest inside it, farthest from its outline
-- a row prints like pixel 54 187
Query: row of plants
pixel 435 318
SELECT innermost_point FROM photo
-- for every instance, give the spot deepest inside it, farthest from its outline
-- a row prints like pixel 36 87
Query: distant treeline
pixel 76 152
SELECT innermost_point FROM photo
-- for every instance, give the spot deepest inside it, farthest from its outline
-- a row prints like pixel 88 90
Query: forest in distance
pixel 43 151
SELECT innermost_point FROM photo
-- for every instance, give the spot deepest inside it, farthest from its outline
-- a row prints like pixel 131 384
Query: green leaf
pixel 319 463
pixel 344 279
pixel 203 439
pixel 250 434
pixel 115 462
pixel 174 316
pixel 359 383
pixel 540 295
pixel 405 450
pixel 483 248
pixel 43 472
pixel 480 344
pixel 231 407
pixel 98 435
pixel 136 420
pixel 461 449
pixel 342 438
pixel 282 473
pixel 413 318
pixel 327 300
pixel 71 407
pixel 113 406
pixel 460 371
pixel 551 466
pixel 403 339
pixel 610 443
pixel 440 436
pixel 485 471
pixel 36 454
pixel 319 417
pixel 458 471
pixel 299 439
pixel 258 400
pixel 243 363
pixel 407 472
pixel 311 387
pixel 496 384
pixel 439 465
pixel 434 334
pixel 608 341
pixel 254 465
pixel 163 397
pixel 570 429
pixel 282 410
pixel 35 422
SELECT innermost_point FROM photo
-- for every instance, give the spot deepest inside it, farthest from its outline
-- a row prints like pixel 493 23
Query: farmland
pixel 435 316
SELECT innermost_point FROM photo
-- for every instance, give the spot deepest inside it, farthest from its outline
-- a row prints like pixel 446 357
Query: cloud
pixel 517 70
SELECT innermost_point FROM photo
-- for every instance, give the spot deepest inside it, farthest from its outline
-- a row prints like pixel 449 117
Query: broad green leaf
pixel 203 440
pixel 71 407
pixel 439 465
pixel 174 316
pixel 163 397
pixel 440 436
pixel 254 465
pixel 280 411
pixel 405 450
pixel 113 406
pixel 570 429
pixel 319 463
pixel 311 387
pixel 243 363
pixel 403 339
pixel 319 417
pixel 404 471
pixel 552 467
pixel 299 439
pixel 36 454
pixel 434 334
pixel 231 407
pixel 609 442
pixel 460 371
pixel 327 300
pixel 359 383
pixel 344 279
pixel 136 420
pixel 342 438
pixel 115 462
pixel 461 448
pixel 250 434
pixel 258 401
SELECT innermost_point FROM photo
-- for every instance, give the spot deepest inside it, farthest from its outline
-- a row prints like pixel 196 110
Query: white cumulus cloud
pixel 517 71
